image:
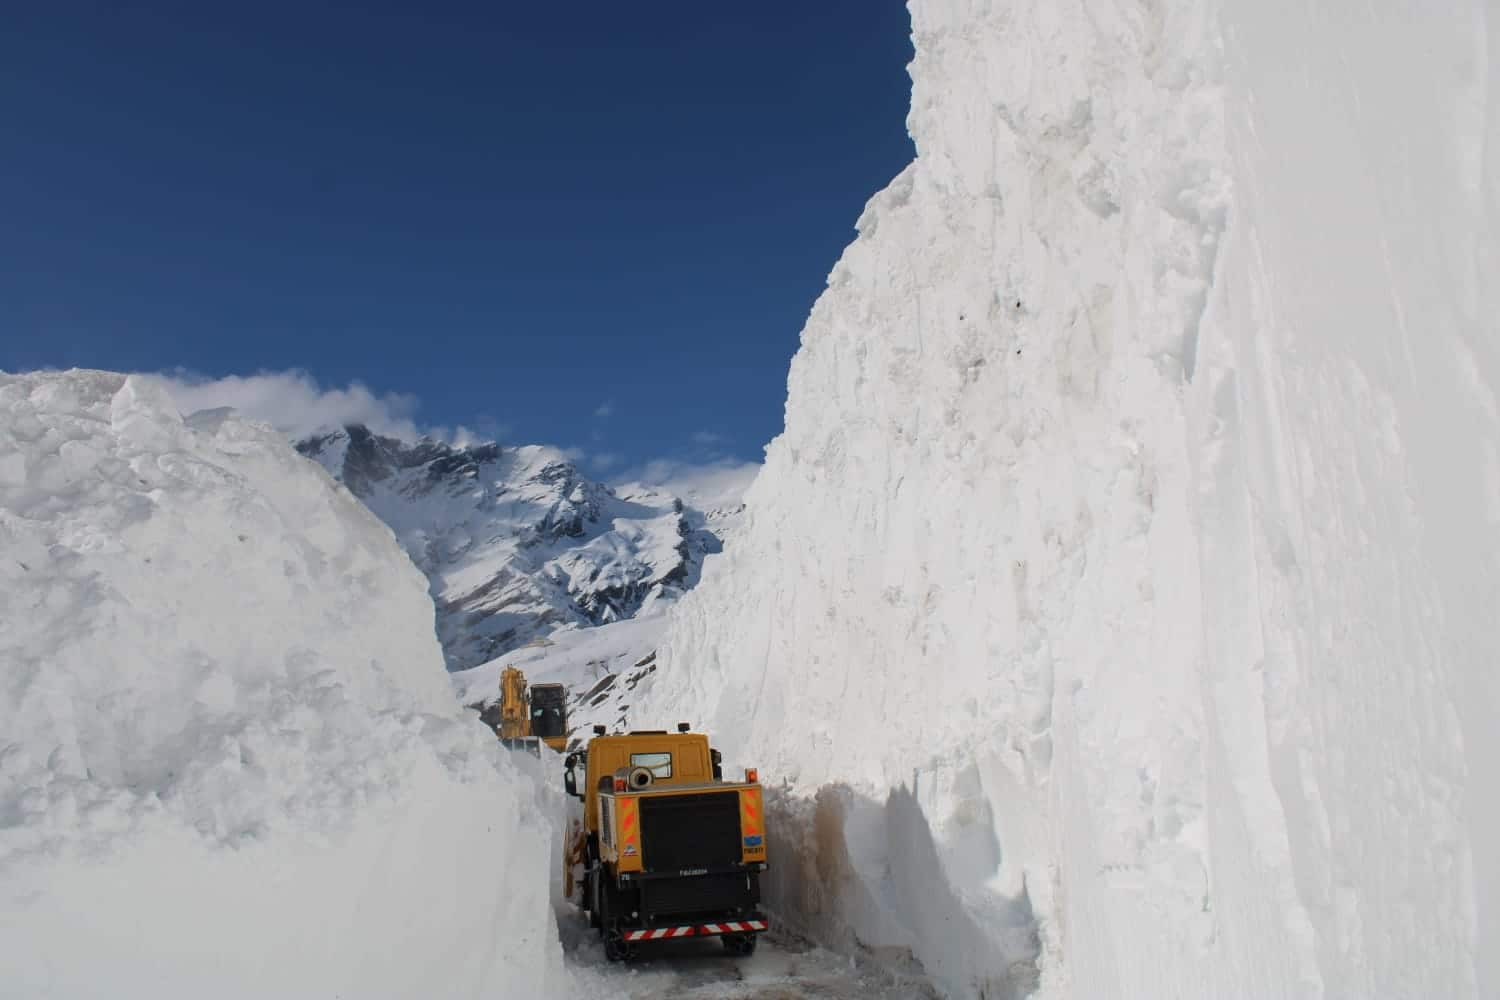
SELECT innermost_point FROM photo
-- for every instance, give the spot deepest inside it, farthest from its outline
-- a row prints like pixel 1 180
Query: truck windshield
pixel 659 764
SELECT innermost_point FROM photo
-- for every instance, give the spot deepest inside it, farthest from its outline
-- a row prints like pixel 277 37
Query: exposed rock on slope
pixel 515 541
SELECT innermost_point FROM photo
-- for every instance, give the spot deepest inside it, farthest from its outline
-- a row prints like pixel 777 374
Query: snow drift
pixel 230 762
pixel 1117 606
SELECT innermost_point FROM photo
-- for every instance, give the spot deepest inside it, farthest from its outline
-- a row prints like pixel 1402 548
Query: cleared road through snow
pixel 783 968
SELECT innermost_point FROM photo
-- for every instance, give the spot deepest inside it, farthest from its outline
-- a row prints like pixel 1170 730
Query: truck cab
pixel 666 847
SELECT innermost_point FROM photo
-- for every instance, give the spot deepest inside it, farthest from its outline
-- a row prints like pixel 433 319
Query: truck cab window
pixel 659 764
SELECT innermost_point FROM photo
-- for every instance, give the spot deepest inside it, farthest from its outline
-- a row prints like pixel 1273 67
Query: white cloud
pixel 605 409
pixel 605 459
pixel 705 485
pixel 297 405
pixel 490 429
pixel 706 437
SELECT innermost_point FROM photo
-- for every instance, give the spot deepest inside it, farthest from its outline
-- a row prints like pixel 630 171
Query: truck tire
pixel 590 904
pixel 740 944
pixel 599 909
pixel 617 949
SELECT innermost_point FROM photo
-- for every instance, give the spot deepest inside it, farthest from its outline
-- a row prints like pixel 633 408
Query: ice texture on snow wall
pixel 230 764
pixel 1118 603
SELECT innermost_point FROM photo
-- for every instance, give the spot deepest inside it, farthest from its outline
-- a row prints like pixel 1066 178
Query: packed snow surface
pixel 230 761
pixel 1117 610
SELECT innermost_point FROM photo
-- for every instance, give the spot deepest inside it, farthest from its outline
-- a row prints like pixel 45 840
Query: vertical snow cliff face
pixel 1116 609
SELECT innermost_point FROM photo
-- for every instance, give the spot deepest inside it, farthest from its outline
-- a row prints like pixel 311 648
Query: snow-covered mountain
pixel 1117 612
pixel 515 541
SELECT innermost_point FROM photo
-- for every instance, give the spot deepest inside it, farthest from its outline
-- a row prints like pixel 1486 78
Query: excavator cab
pixel 549 715
pixel 524 719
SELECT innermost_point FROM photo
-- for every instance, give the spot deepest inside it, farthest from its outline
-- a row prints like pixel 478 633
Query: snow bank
pixel 230 763
pixel 1117 606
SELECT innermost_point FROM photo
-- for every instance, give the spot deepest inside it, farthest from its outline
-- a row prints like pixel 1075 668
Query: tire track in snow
pixel 784 968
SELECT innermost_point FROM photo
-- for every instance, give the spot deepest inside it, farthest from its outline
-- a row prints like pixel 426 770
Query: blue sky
pixel 599 225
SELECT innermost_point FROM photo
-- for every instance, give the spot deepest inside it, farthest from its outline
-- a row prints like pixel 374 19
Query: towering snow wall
pixel 230 764
pixel 1118 605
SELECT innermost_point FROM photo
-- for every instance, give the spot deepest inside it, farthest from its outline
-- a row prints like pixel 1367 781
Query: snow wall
pixel 1117 610
pixel 230 762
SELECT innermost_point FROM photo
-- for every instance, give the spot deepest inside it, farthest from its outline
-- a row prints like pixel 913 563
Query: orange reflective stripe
pixel 629 820
pixel 750 810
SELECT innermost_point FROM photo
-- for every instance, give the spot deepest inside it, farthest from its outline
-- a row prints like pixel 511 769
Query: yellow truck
pixel 664 847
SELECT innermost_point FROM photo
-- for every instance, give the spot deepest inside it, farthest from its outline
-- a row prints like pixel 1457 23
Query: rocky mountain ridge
pixel 515 541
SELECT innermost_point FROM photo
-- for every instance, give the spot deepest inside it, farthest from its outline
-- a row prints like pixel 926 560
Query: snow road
pixel 783 968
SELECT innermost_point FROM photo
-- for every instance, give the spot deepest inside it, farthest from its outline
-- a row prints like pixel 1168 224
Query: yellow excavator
pixel 524 719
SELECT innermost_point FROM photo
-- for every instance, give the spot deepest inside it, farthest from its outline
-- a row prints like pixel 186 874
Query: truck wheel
pixel 740 944
pixel 590 906
pixel 599 912
pixel 617 949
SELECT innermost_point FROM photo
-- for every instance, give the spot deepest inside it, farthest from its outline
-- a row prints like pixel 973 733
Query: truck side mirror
pixel 718 761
